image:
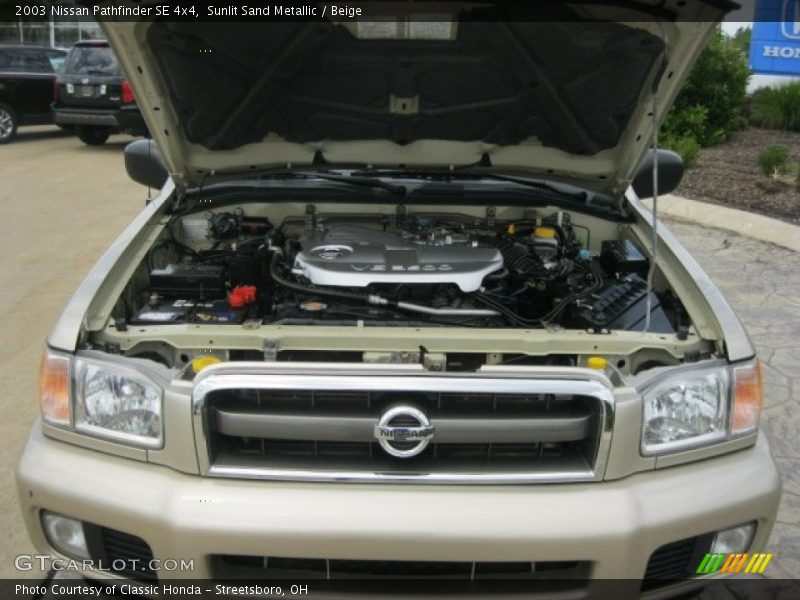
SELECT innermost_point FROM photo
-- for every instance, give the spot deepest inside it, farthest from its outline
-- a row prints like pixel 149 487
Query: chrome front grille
pixel 518 427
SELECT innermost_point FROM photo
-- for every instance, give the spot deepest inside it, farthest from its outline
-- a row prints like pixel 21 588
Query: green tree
pixel 711 103
pixel 741 40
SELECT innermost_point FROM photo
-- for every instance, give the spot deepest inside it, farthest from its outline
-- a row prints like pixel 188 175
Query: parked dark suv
pixel 27 74
pixel 93 95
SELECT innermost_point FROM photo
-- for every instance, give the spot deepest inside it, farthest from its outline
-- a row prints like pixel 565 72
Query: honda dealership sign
pixel 775 45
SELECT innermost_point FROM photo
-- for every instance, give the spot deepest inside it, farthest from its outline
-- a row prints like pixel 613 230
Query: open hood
pixel 567 95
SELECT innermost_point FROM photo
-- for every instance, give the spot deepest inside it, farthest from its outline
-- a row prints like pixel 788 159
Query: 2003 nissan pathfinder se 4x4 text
pixel 398 311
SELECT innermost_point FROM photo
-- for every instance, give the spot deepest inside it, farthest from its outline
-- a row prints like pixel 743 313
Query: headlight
pixel 690 409
pixel 117 403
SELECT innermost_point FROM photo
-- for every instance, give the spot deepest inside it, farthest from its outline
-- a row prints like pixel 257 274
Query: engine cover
pixel 352 256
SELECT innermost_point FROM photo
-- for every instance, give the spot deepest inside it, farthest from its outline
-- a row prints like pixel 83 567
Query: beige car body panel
pixel 616 524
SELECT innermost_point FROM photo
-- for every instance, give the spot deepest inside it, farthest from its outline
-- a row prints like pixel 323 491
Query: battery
pixel 189 280
pixel 158 314
pixel 188 311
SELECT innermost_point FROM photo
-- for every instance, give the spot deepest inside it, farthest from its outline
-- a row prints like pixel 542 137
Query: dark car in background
pixel 27 75
pixel 93 96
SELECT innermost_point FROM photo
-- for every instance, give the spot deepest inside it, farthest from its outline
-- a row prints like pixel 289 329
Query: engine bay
pixel 418 269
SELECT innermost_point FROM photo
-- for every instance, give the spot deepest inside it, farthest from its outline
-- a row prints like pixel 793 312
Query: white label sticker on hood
pixel 381 30
pixel 427 27
pixel 434 27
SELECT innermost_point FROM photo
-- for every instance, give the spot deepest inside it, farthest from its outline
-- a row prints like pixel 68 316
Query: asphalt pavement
pixel 63 203
pixel 762 283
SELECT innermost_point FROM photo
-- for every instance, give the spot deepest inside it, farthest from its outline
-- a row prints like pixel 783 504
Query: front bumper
pixel 616 524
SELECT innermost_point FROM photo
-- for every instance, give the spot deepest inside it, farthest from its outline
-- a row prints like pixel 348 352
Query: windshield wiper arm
pixel 451 177
pixel 577 194
pixel 368 182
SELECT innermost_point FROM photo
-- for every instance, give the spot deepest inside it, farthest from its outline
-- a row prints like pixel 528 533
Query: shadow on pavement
pixel 110 146
pixel 43 133
pixel 39 133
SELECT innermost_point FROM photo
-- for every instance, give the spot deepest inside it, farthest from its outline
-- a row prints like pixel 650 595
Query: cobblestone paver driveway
pixel 762 283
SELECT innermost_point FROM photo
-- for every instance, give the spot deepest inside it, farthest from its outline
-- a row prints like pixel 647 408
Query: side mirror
pixel 144 165
pixel 670 173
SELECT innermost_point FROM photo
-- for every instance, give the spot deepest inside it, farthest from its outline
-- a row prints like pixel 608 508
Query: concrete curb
pixel 731 219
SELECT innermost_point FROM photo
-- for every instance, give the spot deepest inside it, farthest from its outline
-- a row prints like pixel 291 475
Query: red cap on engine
pixel 242 296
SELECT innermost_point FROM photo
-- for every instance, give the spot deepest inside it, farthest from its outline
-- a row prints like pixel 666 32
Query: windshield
pixel 91 60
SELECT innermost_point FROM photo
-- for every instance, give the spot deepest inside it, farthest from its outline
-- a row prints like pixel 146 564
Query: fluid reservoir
pixel 545 243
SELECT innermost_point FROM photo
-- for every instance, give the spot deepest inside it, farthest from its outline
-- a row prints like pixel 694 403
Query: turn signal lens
pixel 54 384
pixel 748 397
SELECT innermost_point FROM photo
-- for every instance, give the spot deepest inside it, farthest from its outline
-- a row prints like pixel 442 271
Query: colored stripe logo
pixel 742 562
